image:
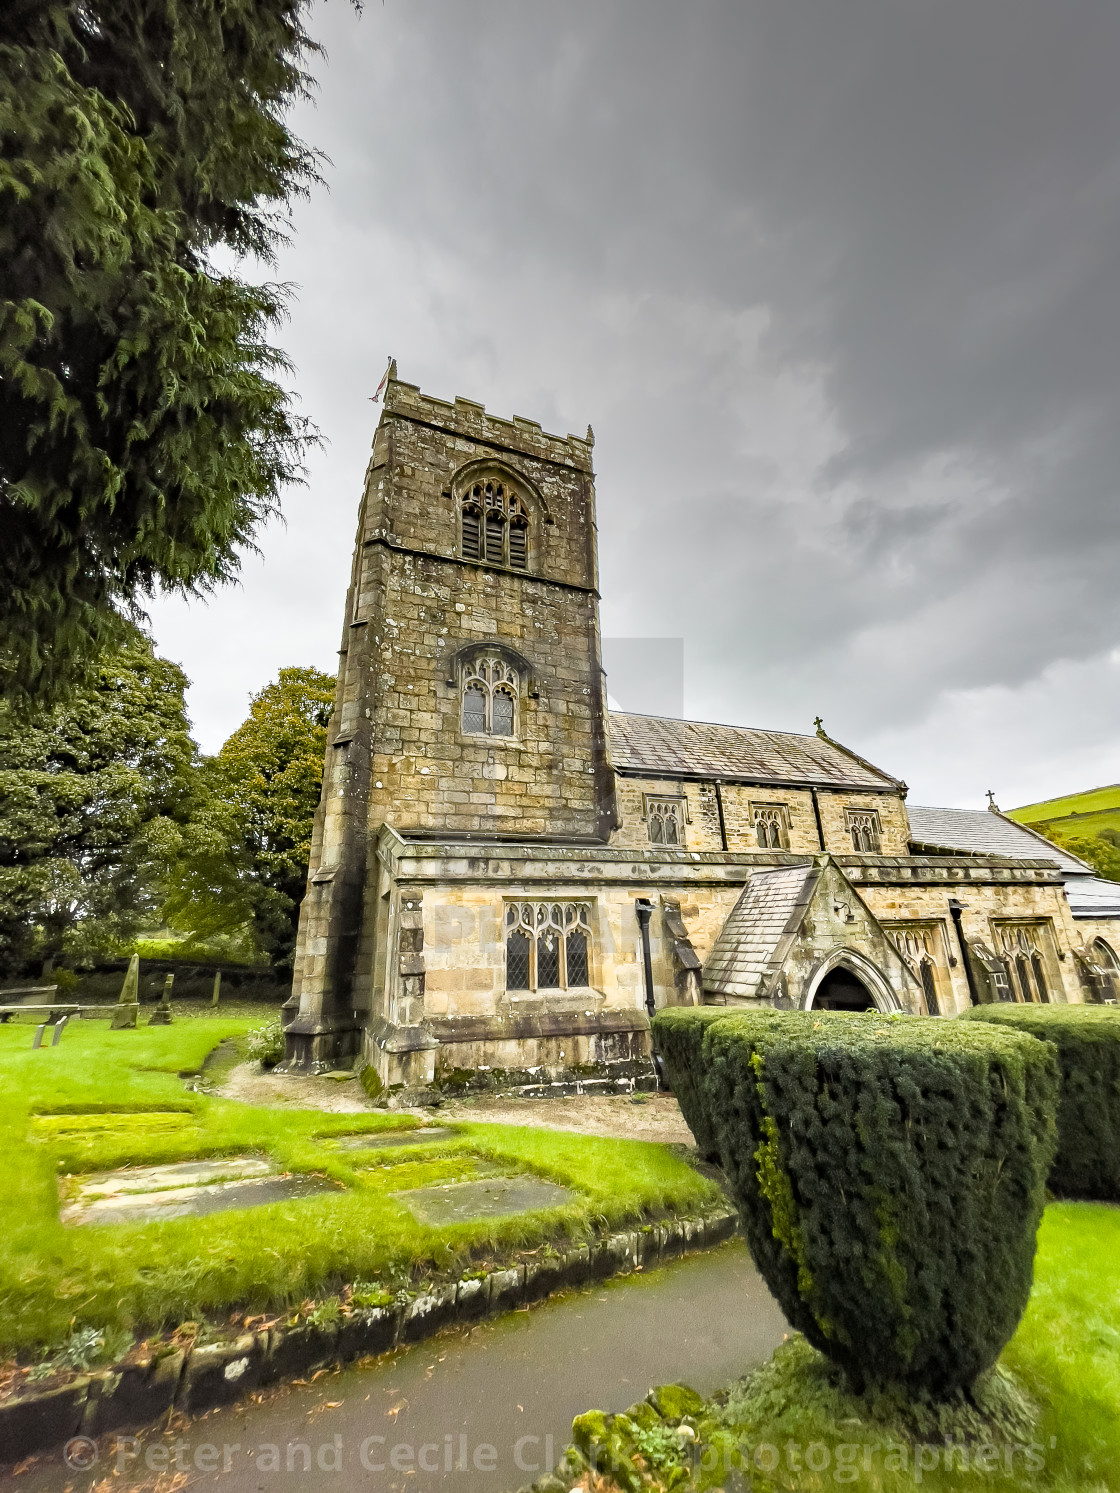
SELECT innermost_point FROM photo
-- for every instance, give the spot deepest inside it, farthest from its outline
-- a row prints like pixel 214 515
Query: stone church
pixel 507 878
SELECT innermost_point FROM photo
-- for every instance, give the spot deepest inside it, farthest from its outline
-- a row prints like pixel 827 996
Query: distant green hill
pixel 1076 814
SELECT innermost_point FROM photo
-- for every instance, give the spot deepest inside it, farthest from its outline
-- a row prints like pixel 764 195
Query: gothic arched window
pixel 548 945
pixel 863 826
pixel 494 525
pixel 490 690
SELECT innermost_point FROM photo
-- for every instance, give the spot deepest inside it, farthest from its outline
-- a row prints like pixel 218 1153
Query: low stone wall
pixel 192 1380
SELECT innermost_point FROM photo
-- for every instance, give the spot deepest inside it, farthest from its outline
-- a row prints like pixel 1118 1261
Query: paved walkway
pixel 653 1117
pixel 471 1411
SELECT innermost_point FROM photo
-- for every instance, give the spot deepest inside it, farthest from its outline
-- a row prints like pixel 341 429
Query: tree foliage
pixel 91 793
pixel 243 856
pixel 1100 850
pixel 143 433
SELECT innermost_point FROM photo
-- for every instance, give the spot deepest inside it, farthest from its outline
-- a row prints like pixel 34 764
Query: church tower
pixel 471 703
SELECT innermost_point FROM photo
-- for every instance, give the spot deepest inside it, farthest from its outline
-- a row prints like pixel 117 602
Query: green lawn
pixel 793 1427
pixel 103 1099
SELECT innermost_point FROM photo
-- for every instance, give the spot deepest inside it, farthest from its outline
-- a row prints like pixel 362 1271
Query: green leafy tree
pixel 243 856
pixel 1101 851
pixel 143 433
pixel 91 796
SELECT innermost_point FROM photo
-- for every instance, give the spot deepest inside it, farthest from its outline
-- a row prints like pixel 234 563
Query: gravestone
pixel 128 1004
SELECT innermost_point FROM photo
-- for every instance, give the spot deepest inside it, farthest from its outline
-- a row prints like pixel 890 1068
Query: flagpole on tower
pixel 390 372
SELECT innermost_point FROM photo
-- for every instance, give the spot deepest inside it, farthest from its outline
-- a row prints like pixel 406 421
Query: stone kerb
pixel 193 1380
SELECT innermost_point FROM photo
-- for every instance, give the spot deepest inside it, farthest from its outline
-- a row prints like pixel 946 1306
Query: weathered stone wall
pixel 984 907
pixel 704 803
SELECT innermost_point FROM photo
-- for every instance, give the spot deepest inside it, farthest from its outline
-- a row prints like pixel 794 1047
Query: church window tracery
pixel 771 826
pixel 490 690
pixel 863 826
pixel 918 945
pixel 494 525
pixel 548 945
pixel 665 821
pixel 1022 954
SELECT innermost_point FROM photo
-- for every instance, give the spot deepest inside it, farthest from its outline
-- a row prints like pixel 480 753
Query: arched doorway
pixel 842 990
pixel 848 981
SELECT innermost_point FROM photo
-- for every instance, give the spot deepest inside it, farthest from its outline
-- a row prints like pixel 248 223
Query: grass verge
pixel 1045 1421
pixel 104 1099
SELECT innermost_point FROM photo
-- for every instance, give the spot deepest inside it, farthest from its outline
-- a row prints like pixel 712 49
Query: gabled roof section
pixel 662 747
pixel 986 833
pixel 752 941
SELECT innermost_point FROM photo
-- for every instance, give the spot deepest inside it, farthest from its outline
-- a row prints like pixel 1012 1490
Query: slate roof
pixel 663 747
pixel 749 938
pixel 1091 897
pixel 989 834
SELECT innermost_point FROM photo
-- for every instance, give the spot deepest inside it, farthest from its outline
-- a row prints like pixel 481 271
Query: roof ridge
pixel 680 720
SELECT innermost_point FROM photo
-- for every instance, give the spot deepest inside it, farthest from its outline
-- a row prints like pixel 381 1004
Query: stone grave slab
pixel 489 1197
pixel 185 1189
pixel 380 1140
pixel 174 1174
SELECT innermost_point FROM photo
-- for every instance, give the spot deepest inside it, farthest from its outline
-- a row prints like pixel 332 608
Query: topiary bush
pixel 890 1173
pixel 678 1032
pixel 1087 1038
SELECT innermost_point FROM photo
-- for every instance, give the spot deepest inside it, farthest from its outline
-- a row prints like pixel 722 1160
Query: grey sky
pixel 838 287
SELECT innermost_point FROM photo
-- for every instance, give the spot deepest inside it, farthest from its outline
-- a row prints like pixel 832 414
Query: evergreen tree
pixel 91 794
pixel 143 433
pixel 243 856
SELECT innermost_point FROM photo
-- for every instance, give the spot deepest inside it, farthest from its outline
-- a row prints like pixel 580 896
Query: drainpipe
pixel 644 909
pixel 955 910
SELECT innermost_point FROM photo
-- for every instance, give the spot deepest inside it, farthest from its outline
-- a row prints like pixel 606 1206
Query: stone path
pixel 475 1410
pixel 652 1117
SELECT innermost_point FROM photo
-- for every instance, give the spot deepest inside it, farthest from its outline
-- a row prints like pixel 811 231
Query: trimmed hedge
pixel 678 1032
pixel 1087 1038
pixel 890 1173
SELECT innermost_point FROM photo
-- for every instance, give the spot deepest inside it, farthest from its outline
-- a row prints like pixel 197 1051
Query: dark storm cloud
pixel 837 285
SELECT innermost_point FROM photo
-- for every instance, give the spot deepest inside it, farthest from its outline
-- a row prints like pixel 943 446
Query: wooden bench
pixel 58 1013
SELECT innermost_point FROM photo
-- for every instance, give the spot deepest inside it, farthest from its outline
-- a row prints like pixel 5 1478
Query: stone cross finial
pixel 819 725
pixel 992 805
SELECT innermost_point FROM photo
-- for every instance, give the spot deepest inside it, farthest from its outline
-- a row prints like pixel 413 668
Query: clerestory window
pixel 665 821
pixel 548 945
pixel 771 826
pixel 494 525
pixel 490 689
pixel 863 826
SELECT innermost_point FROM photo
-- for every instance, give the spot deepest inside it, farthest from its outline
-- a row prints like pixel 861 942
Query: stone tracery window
pixel 1022 954
pixel 665 821
pixel 494 525
pixel 548 945
pixel 863 826
pixel 771 826
pixel 490 691
pixel 918 946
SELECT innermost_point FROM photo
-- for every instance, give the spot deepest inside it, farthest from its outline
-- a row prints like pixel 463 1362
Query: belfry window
pixel 771 826
pixel 490 689
pixel 863 826
pixel 548 945
pixel 494 525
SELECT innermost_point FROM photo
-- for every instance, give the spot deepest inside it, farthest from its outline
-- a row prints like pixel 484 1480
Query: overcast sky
pixel 838 287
